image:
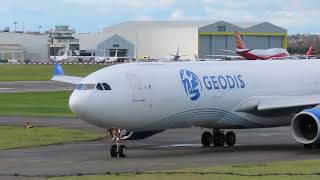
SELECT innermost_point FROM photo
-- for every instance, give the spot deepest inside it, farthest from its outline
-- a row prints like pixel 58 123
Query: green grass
pixel 35 104
pixel 17 137
pixel 251 172
pixel 15 72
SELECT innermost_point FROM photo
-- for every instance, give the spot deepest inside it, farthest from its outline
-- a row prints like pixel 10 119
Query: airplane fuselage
pixel 158 96
pixel 261 54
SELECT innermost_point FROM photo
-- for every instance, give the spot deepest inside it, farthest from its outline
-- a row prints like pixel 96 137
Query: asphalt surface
pixel 172 149
pixel 30 86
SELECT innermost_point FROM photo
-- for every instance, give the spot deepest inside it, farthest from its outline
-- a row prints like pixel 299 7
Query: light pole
pixel 40 29
pixel 15 26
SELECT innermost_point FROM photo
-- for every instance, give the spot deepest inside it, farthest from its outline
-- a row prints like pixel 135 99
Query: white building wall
pixel 156 42
pixel 159 43
pixel 35 46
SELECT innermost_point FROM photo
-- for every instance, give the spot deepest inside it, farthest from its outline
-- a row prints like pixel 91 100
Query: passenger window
pixel 106 86
pixel 89 87
pixel 79 86
pixel 99 87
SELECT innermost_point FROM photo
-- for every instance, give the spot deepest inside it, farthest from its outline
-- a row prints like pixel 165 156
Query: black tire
pixel 219 139
pixel 122 151
pixel 113 151
pixel 206 139
pixel 231 138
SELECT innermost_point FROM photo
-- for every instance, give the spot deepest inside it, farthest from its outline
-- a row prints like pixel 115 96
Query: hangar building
pixel 158 39
pixel 23 47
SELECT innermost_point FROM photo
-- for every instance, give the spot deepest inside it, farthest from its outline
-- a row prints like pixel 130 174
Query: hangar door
pixel 213 45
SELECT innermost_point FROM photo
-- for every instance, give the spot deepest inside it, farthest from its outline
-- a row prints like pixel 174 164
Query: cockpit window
pixel 89 86
pixel 106 86
pixel 79 86
pixel 99 87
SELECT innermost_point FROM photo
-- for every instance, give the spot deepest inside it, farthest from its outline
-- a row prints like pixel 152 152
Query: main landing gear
pixel 117 149
pixel 218 138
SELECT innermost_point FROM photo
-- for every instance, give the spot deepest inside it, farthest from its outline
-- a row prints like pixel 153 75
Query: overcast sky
pixel 297 16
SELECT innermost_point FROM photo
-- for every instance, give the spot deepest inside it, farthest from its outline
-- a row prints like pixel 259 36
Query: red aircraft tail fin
pixel 240 43
pixel 309 53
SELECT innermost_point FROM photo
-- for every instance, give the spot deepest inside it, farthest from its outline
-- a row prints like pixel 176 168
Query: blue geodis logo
pixel 191 84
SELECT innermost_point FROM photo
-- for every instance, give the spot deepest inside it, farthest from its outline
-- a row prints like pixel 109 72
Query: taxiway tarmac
pixel 172 149
pixel 31 86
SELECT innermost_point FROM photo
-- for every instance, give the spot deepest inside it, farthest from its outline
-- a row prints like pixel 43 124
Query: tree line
pixel 300 43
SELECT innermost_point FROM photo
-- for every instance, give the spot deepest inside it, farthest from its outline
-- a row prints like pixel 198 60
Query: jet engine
pixel 306 127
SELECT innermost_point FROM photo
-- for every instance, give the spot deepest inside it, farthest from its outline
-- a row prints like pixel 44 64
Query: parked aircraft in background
pixel 225 57
pixel 111 59
pixel 99 59
pixel 137 100
pixel 258 54
pixel 177 56
pixel 60 58
pixel 96 59
pixel 115 58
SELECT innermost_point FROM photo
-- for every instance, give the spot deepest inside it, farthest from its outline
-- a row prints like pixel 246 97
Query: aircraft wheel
pixel 113 151
pixel 122 151
pixel 219 139
pixel 206 139
pixel 230 138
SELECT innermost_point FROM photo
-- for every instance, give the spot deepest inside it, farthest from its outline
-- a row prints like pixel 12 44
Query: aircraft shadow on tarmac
pixel 173 151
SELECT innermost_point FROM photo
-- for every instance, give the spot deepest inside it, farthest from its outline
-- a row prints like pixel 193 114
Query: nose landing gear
pixel 218 138
pixel 117 149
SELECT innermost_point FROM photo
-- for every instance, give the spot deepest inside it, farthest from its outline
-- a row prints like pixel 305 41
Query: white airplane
pixel 177 56
pixel 111 59
pixel 115 58
pixel 137 100
pixel 96 59
pixel 104 58
pixel 100 59
pixel 60 58
pixel 174 57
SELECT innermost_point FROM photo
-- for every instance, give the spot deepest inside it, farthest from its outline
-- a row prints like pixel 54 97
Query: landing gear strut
pixel 218 138
pixel 117 149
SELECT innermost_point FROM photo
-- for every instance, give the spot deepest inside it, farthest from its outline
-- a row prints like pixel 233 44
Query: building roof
pixel 89 41
pixel 19 38
pixel 129 30
pixel 173 24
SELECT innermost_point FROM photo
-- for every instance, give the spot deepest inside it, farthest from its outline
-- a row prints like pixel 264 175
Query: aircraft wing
pixel 273 103
pixel 60 77
pixel 226 50
pixel 124 57
pixel 223 55
pixel 67 79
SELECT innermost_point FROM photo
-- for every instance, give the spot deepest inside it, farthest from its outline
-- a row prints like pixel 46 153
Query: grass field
pixel 35 104
pixel 285 171
pixel 15 137
pixel 16 72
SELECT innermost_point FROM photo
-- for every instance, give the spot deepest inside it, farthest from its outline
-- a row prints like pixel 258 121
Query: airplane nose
pixel 77 103
pixel 73 103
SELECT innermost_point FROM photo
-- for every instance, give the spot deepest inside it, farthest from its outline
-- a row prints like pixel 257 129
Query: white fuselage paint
pixel 157 100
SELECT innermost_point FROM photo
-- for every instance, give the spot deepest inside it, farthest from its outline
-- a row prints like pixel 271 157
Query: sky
pixel 297 16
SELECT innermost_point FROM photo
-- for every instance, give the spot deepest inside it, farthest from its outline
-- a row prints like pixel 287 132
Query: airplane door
pixel 136 87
